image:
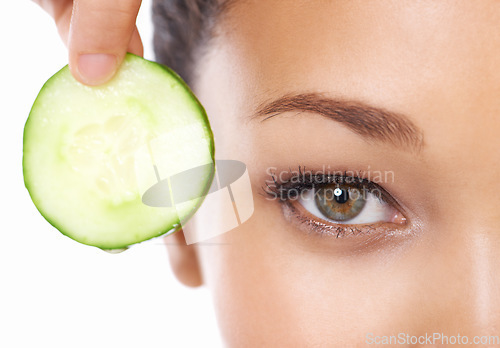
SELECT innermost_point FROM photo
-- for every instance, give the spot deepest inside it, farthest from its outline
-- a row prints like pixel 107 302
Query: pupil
pixel 341 196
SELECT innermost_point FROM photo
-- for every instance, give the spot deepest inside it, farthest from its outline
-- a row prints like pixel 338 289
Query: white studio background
pixel 55 292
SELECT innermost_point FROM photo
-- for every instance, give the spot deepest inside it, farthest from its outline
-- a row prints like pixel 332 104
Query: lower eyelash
pixel 335 230
pixel 288 191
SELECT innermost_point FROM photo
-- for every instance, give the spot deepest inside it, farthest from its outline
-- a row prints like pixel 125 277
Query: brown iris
pixel 340 202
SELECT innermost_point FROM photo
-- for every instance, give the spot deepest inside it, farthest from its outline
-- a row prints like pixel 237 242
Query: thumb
pixel 99 35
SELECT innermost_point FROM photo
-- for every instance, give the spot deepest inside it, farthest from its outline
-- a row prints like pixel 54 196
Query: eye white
pixel 374 210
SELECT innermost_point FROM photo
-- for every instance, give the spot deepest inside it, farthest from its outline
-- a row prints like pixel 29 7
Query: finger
pixel 61 12
pixel 53 8
pixel 63 19
pixel 100 33
pixel 135 45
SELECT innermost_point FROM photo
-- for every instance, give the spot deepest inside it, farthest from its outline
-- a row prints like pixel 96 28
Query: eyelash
pixel 291 187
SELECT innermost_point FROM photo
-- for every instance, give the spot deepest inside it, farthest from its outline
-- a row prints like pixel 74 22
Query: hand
pixel 97 33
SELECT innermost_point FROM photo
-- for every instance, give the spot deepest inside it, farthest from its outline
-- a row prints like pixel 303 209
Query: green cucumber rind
pixel 167 230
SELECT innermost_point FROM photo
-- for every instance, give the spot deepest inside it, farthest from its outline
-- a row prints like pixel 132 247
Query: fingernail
pixel 95 69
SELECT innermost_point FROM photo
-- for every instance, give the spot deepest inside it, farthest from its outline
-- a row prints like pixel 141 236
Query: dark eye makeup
pixel 338 204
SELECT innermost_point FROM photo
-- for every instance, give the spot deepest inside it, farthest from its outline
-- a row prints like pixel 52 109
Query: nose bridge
pixel 464 278
pixel 469 236
pixel 474 227
pixel 485 280
pixel 480 194
pixel 461 273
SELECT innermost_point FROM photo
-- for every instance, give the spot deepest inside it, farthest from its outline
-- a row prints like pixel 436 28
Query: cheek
pixel 254 298
pixel 268 285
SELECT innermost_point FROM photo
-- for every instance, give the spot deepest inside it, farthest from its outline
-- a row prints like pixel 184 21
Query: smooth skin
pixel 437 62
pixel 97 33
pixel 275 284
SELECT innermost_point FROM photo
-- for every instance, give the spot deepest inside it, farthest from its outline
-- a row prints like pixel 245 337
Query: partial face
pixel 402 95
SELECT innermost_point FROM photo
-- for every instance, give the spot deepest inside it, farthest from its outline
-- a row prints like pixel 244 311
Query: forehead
pixel 359 46
pixel 436 61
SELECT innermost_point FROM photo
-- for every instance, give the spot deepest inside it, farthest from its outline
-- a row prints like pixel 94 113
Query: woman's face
pixel 405 95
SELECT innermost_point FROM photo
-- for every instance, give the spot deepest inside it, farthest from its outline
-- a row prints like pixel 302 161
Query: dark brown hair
pixel 182 29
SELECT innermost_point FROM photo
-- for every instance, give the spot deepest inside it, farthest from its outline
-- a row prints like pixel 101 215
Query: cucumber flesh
pixel 90 153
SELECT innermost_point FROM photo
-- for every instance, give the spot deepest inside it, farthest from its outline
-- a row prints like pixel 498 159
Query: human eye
pixel 338 204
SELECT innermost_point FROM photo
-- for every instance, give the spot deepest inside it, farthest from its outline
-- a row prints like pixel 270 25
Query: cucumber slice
pixel 90 153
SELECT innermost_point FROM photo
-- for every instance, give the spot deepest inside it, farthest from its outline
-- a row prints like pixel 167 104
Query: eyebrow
pixel 370 122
